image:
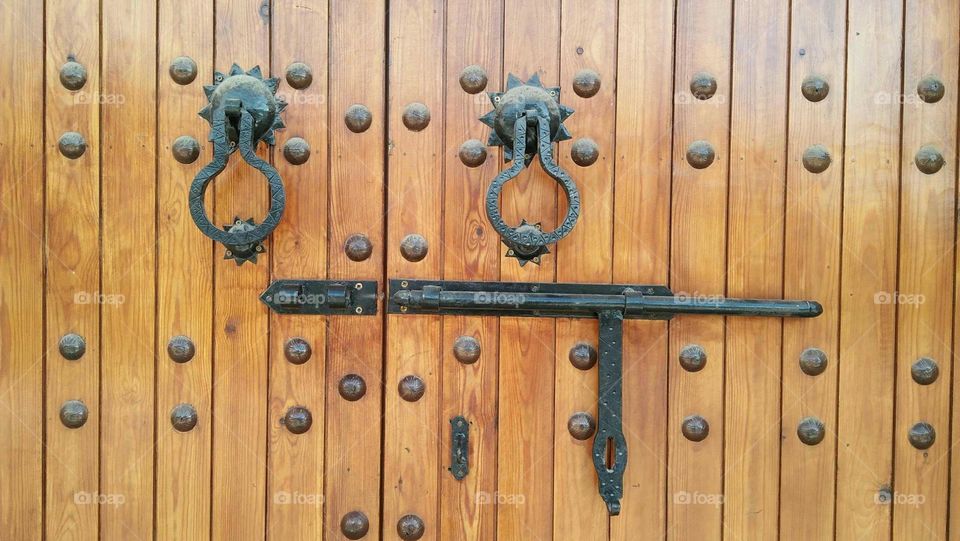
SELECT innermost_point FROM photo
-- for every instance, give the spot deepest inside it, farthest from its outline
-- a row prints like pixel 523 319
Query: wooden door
pixel 752 148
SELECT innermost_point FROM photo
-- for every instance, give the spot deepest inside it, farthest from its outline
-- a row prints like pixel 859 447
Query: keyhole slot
pixel 611 456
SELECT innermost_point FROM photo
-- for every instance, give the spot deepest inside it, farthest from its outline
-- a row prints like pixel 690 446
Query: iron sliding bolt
pixel 609 303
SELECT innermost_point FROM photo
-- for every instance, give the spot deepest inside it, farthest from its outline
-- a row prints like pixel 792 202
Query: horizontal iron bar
pixel 575 300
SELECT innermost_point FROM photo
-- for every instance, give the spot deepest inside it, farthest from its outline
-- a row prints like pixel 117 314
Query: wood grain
pixel 353 440
pixel 758 144
pixel 641 253
pixel 471 252
pixel 296 461
pixel 926 269
pixel 698 246
pixel 240 322
pixel 527 360
pixel 584 256
pixel 184 284
pixel 21 271
pixel 812 269
pixel 72 273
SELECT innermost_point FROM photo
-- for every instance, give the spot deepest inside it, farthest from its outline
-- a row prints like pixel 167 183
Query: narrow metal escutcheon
pixel 459 447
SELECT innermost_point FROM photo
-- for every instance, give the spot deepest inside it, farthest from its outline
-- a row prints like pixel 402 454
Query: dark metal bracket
pixel 322 297
pixel 611 304
pixel 459 447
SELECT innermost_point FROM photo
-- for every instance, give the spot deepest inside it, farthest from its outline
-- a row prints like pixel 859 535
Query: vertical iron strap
pixel 609 440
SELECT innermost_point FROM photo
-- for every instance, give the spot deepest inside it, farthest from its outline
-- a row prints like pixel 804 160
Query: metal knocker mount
pixel 526 120
pixel 243 111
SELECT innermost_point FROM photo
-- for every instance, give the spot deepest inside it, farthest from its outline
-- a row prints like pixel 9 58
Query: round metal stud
pixel 183 417
pixel 928 159
pixel 925 371
pixel 296 150
pixel 358 118
pixel 183 70
pixel 814 88
pixel 466 349
pixel 695 428
pixel 703 86
pixel 922 435
pixel 297 419
pixel 358 247
pixel 416 116
pixel 473 153
pixel 473 79
pixel 816 159
pixel 180 349
pixel 73 414
pixel 813 361
pixel 73 75
pixel 299 75
pixel 700 154
pixel 413 247
pixel 72 145
pixel 411 388
pixel 586 83
pixel 72 346
pixel 410 527
pixel 354 525
pixel 584 152
pixel 693 358
pixel 811 430
pixel 352 387
pixel 185 149
pixel 297 350
pixel 581 425
pixel 930 89
pixel 583 356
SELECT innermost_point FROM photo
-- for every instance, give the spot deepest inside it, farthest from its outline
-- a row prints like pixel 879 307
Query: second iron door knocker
pixel 243 111
pixel 526 120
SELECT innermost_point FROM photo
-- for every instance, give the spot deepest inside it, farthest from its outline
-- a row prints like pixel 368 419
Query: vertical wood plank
pixel 758 143
pixel 73 272
pixel 926 270
pixel 812 268
pixel 698 248
pixel 128 275
pixel 295 462
pixel 471 252
pixel 584 256
pixel 869 269
pixel 526 417
pixel 240 322
pixel 414 432
pixel 184 284
pixel 21 271
pixel 353 440
pixel 641 253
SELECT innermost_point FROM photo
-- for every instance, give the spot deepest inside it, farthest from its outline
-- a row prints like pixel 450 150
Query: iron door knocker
pixel 243 111
pixel 526 120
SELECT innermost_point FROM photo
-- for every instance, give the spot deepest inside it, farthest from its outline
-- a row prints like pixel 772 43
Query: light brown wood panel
pixel 641 253
pixel 471 252
pixel 240 322
pixel 698 248
pixel 928 205
pixel 812 269
pixel 584 256
pixel 21 272
pixel 526 416
pixel 72 273
pixel 413 432
pixel 128 266
pixel 295 461
pixel 758 144
pixel 869 269
pixel 184 283
pixel 356 184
